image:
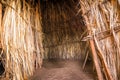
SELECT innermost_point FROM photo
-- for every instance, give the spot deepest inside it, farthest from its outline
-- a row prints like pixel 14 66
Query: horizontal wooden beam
pixel 102 35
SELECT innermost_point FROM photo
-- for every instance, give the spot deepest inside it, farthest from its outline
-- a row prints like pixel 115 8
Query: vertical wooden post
pixel 95 59
pixel 94 54
pixel 0 23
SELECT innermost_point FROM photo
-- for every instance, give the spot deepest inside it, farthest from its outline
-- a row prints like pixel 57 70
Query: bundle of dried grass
pixel 21 39
pixel 101 17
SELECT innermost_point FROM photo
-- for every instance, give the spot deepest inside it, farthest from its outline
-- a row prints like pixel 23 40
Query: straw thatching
pixel 21 39
pixel 63 28
pixel 102 21
pixel 64 23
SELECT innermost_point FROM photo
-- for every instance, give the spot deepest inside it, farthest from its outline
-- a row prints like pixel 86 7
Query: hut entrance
pixel 64 53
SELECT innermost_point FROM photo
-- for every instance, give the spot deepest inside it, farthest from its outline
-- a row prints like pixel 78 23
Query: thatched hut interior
pixel 59 39
pixel 62 29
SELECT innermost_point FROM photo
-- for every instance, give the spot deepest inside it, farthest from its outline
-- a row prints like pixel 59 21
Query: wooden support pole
pixel 108 73
pixel 95 59
pixel 94 54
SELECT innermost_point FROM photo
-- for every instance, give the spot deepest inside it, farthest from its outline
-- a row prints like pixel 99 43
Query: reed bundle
pixel 21 39
pixel 101 16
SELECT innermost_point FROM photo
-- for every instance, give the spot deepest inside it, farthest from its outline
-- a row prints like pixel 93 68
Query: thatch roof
pixel 35 29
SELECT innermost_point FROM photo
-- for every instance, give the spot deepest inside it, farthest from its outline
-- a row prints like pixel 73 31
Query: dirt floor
pixel 63 70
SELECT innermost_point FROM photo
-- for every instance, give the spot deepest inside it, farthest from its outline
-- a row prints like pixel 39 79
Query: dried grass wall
pixel 21 38
pixel 63 29
pixel 103 22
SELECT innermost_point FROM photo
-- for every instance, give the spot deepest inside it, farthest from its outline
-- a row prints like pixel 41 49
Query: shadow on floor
pixel 63 70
